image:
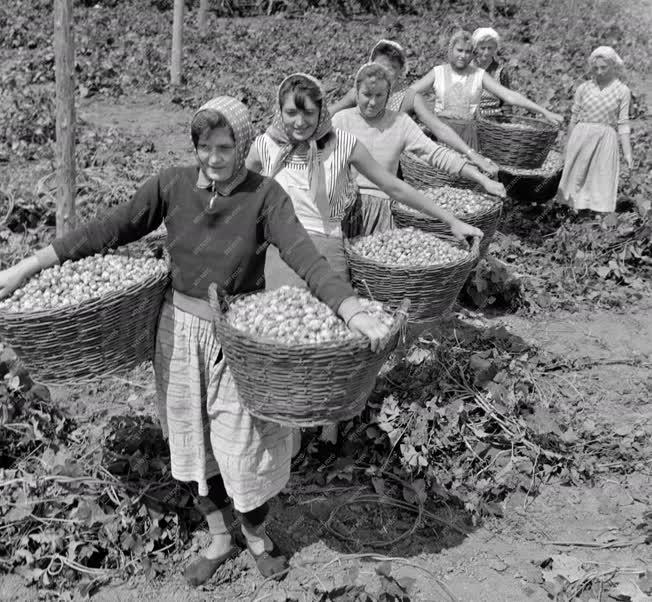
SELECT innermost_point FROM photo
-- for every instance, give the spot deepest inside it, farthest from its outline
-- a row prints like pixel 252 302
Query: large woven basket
pixel 514 140
pixel 432 290
pixel 533 185
pixel 421 175
pixel 91 339
pixel 486 220
pixel 301 385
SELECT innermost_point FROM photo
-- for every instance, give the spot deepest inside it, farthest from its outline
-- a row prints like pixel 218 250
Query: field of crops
pixel 504 454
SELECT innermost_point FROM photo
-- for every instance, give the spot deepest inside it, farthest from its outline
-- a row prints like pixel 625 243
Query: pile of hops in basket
pixel 409 247
pixel 74 282
pixel 292 316
pixel 458 201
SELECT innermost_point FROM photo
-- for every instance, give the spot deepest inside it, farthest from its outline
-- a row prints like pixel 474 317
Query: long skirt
pixel 278 273
pixel 368 215
pixel 467 130
pixel 591 168
pixel 208 429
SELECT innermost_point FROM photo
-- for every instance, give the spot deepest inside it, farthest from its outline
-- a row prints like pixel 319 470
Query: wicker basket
pixel 505 142
pixel 91 339
pixel 432 290
pixel 533 185
pixel 486 220
pixel 421 175
pixel 301 385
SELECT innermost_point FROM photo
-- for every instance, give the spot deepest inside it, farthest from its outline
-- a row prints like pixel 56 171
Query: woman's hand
pixel 555 118
pixel 373 329
pixel 485 164
pixel 461 230
pixel 629 160
pixel 12 278
pixel 495 188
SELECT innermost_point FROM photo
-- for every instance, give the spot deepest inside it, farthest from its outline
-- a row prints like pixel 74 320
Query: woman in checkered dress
pixel 600 115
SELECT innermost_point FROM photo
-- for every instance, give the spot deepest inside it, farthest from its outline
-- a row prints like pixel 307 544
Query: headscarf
pixel 378 70
pixel 606 52
pixel 277 133
pixel 237 116
pixel 483 33
pixel 395 45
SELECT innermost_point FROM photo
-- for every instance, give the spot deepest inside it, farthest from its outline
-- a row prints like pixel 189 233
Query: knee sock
pixel 253 528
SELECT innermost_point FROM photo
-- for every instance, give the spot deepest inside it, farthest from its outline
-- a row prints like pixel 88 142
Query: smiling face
pixel 485 52
pixel 460 55
pixel 603 70
pixel 299 123
pixel 372 96
pixel 216 154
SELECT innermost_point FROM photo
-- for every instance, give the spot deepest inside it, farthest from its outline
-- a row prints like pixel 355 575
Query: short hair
pixel 461 35
pixel 390 51
pixel 302 88
pixel 207 121
pixel 371 70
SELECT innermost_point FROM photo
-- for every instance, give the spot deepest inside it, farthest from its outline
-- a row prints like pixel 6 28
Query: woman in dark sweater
pixel 220 217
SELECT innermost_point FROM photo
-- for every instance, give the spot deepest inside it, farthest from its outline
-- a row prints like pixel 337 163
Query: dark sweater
pixel 226 246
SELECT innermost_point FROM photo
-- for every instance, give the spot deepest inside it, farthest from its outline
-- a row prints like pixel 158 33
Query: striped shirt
pixel 294 178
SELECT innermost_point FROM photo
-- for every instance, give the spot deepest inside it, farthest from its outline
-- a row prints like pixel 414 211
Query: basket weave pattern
pixel 486 220
pixel 301 385
pixel 421 175
pixel 97 337
pixel 432 290
pixel 504 142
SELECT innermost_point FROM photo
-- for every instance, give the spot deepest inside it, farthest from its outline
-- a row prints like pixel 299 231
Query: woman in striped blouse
pixel 314 163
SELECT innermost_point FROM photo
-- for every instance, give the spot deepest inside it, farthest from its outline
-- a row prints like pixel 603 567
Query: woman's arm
pixel 253 162
pixel 396 189
pixel 346 102
pixel 449 136
pixel 515 98
pixel 425 83
pixel 624 130
pixel 129 222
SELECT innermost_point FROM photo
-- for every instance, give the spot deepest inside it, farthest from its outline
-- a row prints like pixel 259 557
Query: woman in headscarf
pixel 458 87
pixel 392 56
pixel 314 163
pixel 388 133
pixel 219 219
pixel 600 116
pixel 486 43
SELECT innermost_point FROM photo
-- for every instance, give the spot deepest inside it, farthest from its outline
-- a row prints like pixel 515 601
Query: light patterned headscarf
pixel 606 52
pixel 377 49
pixel 276 132
pixel 484 33
pixel 237 116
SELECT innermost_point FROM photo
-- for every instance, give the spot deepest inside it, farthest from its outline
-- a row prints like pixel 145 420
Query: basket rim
pixel 75 308
pixel 505 121
pixel 498 205
pixel 473 253
pixel 528 173
pixel 357 343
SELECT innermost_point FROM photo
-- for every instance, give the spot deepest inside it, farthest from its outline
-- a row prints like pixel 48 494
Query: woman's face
pixel 372 96
pixel 216 154
pixel 602 69
pixel 461 54
pixel 299 124
pixel 485 51
pixel 393 67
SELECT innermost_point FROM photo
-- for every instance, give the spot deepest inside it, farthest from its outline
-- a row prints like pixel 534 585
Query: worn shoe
pixel 200 570
pixel 271 564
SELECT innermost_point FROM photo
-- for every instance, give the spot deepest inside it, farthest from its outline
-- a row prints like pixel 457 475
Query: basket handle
pixel 217 299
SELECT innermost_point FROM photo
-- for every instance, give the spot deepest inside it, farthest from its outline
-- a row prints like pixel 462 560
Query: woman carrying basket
pixel 486 42
pixel 458 87
pixel 387 134
pixel 219 218
pixel 314 162
pixel 402 99
pixel 600 115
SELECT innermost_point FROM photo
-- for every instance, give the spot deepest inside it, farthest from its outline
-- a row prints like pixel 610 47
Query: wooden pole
pixel 177 43
pixel 202 17
pixel 64 69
